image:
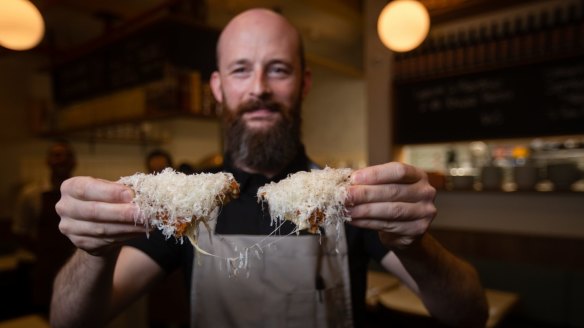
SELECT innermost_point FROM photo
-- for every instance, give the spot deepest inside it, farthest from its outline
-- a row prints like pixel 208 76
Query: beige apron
pixel 295 281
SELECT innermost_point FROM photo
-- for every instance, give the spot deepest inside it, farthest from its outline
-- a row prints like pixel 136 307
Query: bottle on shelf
pixel 557 23
pixel 460 49
pixel 528 37
pixel 471 53
pixel 440 57
pixel 449 57
pixel 504 42
pixel 492 45
pixel 516 35
pixel 481 48
pixel 542 35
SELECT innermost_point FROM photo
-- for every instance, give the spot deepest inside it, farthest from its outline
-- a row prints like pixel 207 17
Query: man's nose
pixel 260 87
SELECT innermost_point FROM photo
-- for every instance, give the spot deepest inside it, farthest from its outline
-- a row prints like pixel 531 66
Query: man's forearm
pixel 449 287
pixel 82 291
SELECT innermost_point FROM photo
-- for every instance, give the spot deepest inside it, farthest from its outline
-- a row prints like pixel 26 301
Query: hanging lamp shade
pixel 403 25
pixel 21 25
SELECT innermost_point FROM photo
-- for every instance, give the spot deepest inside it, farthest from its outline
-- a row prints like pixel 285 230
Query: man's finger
pixel 393 172
pixel 397 211
pixel 109 231
pixel 97 246
pixel 98 211
pixel 394 192
pixel 398 228
pixel 86 188
pixel 361 194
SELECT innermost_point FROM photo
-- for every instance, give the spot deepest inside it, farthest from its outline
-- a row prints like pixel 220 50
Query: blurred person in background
pixel 35 223
pixel 157 160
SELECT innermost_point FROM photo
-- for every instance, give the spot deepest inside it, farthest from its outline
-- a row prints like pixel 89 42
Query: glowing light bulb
pixel 403 25
pixel 21 25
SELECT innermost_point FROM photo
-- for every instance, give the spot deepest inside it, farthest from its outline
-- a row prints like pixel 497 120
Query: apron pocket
pixel 301 309
pixel 313 308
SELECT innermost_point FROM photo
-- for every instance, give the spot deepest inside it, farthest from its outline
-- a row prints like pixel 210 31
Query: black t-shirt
pixel 244 215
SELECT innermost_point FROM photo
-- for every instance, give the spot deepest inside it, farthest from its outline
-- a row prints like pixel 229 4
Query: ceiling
pixel 332 29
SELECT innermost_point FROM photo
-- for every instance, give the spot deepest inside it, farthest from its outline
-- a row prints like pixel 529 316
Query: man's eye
pixel 239 70
pixel 279 71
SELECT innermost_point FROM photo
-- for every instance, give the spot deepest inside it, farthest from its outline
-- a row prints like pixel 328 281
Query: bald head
pixel 256 26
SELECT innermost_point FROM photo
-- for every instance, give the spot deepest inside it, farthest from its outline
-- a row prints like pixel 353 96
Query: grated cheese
pixel 304 195
pixel 170 200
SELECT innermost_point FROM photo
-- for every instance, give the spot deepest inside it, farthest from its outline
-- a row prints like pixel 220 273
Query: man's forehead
pixel 258 21
pixel 258 49
pixel 258 32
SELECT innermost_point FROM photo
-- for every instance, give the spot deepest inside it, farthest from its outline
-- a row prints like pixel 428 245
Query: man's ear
pixel 306 82
pixel 216 87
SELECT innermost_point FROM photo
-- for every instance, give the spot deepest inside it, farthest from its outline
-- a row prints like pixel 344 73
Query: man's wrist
pixel 415 250
pixel 104 254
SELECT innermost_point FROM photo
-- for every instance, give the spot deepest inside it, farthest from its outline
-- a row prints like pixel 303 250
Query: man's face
pixel 60 160
pixel 260 74
pixel 260 86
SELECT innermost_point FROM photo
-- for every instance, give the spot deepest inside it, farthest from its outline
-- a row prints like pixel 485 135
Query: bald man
pixel 303 280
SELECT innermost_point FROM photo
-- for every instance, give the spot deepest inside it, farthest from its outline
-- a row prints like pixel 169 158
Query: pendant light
pixel 403 25
pixel 21 25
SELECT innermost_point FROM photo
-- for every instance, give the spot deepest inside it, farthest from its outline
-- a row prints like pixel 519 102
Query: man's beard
pixel 265 150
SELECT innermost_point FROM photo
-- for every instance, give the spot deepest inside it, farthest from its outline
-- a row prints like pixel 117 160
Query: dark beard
pixel 268 150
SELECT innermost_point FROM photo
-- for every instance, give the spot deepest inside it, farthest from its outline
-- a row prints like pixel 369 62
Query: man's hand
pixel 97 215
pixel 394 198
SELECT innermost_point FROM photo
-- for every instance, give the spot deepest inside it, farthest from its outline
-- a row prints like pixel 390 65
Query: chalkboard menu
pixel 523 101
pixel 138 58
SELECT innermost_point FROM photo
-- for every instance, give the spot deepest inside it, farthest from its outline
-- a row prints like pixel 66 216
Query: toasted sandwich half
pixel 309 199
pixel 176 203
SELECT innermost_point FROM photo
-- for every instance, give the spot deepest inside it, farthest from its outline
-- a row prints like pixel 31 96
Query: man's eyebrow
pixel 280 61
pixel 284 62
pixel 238 62
pixel 245 62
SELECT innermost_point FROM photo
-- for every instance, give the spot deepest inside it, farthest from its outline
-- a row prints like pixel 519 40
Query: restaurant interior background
pixel 490 105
